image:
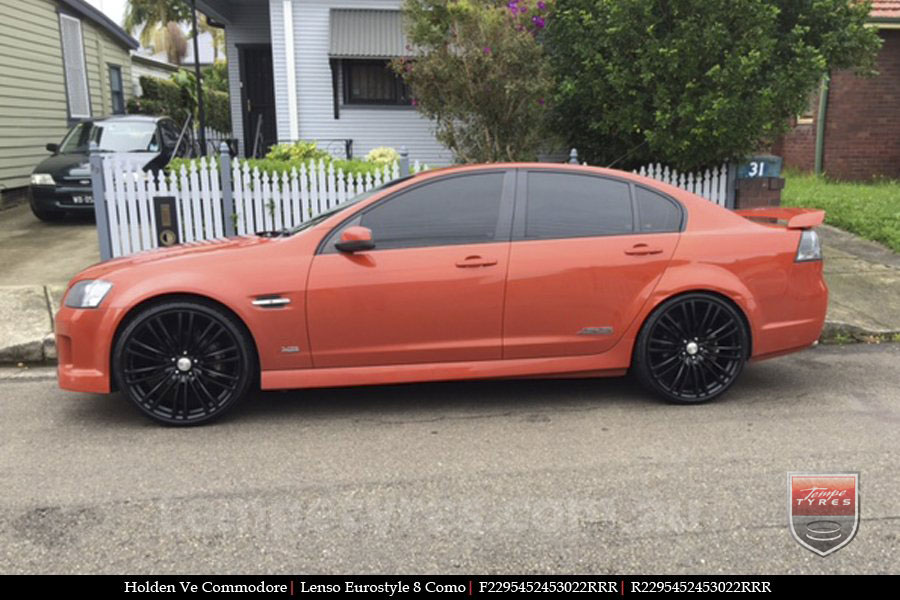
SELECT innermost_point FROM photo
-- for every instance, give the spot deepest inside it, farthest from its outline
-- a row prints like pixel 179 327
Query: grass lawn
pixel 871 210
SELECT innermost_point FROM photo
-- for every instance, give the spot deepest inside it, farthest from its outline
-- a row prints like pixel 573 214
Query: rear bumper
pixel 799 314
pixel 83 338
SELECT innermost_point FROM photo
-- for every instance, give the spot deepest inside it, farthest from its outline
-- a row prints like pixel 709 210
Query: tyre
pixel 691 349
pixel 184 362
pixel 48 216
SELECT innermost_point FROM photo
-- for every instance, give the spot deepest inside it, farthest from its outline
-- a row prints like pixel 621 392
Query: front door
pixel 586 254
pixel 432 289
pixel 257 98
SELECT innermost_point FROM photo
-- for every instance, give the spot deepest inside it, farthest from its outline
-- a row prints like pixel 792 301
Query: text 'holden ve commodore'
pixel 473 272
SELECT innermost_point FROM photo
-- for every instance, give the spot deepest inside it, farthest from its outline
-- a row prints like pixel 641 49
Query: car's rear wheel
pixel 184 362
pixel 692 348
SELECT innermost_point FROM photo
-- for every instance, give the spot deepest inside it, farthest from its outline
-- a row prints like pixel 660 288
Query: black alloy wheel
pixel 184 362
pixel 691 349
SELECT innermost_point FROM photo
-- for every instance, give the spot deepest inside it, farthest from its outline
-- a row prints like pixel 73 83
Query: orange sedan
pixel 487 271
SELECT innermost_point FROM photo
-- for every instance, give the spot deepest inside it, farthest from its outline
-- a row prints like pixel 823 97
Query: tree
pixel 480 72
pixel 158 21
pixel 694 82
pixel 216 34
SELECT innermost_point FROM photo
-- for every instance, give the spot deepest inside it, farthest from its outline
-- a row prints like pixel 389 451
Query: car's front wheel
pixel 184 362
pixel 691 349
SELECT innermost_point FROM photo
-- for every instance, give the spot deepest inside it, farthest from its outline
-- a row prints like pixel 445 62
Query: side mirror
pixel 54 148
pixel 355 239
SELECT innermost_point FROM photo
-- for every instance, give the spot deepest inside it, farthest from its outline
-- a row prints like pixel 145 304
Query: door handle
pixel 476 261
pixel 642 250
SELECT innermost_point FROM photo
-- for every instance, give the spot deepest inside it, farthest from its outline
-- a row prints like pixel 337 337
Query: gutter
pixel 820 122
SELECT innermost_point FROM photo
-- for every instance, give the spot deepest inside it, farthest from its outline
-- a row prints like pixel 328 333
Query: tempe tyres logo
pixel 823 509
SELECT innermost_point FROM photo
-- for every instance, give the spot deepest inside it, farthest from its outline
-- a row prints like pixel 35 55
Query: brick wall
pixel 862 127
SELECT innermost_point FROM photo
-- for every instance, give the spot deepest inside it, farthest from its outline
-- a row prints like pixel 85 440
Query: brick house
pixel 860 132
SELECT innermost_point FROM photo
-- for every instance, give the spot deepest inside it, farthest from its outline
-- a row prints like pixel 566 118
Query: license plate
pixel 82 199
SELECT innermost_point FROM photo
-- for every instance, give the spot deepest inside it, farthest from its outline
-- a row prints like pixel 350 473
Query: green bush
pixel 162 97
pixel 218 110
pixel 691 83
pixel 277 167
pixel 176 98
pixel 481 73
pixel 298 151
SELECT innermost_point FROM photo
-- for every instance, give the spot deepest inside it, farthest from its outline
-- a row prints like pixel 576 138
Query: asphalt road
pixel 517 476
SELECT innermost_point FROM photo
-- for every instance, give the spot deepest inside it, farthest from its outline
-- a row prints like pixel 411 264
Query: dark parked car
pixel 61 183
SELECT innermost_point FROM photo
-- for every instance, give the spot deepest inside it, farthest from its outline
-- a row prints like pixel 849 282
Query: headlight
pixel 42 179
pixel 810 248
pixel 88 293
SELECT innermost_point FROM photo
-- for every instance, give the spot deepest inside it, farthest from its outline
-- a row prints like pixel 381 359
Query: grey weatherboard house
pixel 60 61
pixel 316 70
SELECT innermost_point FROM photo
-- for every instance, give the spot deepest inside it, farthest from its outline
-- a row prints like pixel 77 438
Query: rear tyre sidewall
pixel 641 363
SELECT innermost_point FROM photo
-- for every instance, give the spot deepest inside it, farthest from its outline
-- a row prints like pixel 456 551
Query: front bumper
pixel 83 340
pixel 61 198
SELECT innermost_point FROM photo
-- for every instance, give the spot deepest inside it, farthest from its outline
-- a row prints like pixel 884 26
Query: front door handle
pixel 476 261
pixel 642 250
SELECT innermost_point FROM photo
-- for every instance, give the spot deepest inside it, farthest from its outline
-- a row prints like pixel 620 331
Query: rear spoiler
pixel 794 218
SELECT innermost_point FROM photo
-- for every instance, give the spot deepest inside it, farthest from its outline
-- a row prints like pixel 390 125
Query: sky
pixel 114 9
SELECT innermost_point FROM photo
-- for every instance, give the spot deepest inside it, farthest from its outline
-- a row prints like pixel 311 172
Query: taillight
pixel 810 248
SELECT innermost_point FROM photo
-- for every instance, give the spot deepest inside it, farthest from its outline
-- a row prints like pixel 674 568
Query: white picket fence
pixel 712 184
pixel 261 201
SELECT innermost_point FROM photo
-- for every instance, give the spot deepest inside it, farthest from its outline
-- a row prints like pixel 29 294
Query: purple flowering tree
pixel 480 72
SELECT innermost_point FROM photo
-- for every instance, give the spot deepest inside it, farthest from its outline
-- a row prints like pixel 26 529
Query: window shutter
pixel 76 70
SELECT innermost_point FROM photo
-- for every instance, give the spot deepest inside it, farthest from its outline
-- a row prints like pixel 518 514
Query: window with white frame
pixel 75 68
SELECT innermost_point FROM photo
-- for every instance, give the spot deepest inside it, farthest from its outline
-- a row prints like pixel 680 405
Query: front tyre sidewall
pixel 245 363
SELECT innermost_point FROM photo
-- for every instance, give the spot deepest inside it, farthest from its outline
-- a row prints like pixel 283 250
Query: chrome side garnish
pixel 271 301
pixel 290 349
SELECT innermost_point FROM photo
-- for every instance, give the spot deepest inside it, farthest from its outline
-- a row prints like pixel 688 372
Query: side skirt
pixel 607 365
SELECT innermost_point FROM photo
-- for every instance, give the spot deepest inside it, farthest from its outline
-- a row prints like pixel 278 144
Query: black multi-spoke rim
pixel 182 365
pixel 696 349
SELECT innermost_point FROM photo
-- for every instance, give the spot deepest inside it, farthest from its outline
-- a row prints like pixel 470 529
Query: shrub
pixel 383 155
pixel 298 151
pixel 277 167
pixel 176 98
pixel 481 73
pixel 694 82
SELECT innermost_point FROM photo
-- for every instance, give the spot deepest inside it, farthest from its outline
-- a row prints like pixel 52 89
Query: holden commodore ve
pixel 486 271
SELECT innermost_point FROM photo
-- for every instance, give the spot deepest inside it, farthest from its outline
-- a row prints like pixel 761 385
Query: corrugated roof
pixel 367 33
pixel 885 9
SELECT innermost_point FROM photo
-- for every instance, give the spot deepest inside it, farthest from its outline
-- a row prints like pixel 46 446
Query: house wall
pixel 862 124
pixel 33 109
pixel 368 127
pixel 248 24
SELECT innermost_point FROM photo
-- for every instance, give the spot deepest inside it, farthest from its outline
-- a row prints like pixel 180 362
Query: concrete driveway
pixel 36 253
pixel 586 476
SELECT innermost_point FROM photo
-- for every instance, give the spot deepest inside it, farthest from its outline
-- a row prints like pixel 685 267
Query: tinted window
pixel 657 213
pixel 456 210
pixel 562 205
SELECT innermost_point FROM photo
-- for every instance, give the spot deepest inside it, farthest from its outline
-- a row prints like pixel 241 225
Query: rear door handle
pixel 642 250
pixel 476 261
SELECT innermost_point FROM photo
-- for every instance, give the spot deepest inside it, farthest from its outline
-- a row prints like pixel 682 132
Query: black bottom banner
pixel 386 586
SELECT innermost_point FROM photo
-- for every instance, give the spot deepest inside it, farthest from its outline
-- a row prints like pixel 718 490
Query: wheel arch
pixel 145 303
pixel 709 292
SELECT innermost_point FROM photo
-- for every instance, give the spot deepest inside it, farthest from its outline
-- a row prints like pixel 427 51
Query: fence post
pixel 731 185
pixel 404 161
pixel 227 191
pixel 100 207
pixel 573 157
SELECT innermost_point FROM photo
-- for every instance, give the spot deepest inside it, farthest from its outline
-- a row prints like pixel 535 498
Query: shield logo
pixel 823 509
